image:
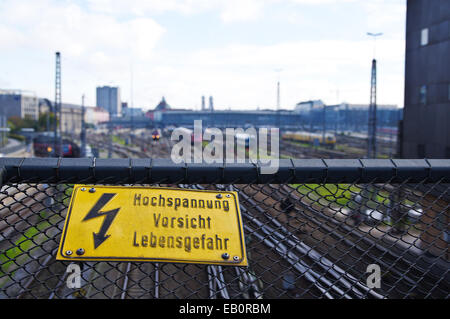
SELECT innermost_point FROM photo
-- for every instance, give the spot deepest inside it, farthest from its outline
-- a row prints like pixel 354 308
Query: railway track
pixel 293 150
pixel 295 250
pixel 351 148
pixel 29 238
pixel 386 146
pixel 19 202
pixel 346 247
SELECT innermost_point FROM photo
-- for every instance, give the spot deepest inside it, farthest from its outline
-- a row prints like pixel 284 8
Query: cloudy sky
pixel 234 50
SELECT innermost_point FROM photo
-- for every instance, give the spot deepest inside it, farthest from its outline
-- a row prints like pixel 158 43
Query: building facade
pixel 355 117
pixel 426 121
pixel 307 106
pixel 20 104
pixel 132 112
pixel 345 116
pixel 109 98
pixel 96 115
pixel 229 118
pixel 71 115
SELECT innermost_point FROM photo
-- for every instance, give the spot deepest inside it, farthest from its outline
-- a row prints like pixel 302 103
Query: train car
pixel 156 135
pixel 44 146
pixel 70 149
pixel 311 138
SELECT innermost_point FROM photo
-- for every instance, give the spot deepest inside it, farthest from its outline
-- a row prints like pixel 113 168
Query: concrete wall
pixel 426 128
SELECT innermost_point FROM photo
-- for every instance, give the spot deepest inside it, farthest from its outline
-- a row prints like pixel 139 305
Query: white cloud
pixel 229 10
pixel 100 41
pixel 242 10
pixel 321 2
pixel 382 14
pixel 244 75
pixel 76 32
pixel 151 7
pixel 93 45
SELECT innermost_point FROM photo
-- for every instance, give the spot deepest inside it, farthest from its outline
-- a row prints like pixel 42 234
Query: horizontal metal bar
pixel 84 170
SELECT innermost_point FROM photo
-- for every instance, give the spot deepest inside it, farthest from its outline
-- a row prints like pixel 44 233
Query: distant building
pixel 203 103
pixel 71 118
pixel 345 116
pixel 307 106
pixel 165 115
pixel 19 103
pixel 155 115
pixel 426 125
pixel 71 115
pixel 162 106
pixel 355 117
pixel 228 118
pixel 132 112
pixel 211 104
pixel 109 98
pixel 96 115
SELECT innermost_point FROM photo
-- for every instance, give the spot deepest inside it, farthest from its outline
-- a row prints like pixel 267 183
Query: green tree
pixel 42 122
pixel 15 123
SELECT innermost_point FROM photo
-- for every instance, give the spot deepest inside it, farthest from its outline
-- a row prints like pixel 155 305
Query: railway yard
pixel 299 244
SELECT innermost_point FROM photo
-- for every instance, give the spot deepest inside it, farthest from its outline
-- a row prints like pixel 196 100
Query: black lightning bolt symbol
pixel 95 212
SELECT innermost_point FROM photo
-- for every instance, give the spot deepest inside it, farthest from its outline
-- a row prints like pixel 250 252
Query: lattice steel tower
pixel 372 125
pixel 278 105
pixel 83 128
pixel 58 135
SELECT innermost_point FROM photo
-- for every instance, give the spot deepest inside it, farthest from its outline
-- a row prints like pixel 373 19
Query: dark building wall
pixel 11 105
pixel 19 105
pixel 426 125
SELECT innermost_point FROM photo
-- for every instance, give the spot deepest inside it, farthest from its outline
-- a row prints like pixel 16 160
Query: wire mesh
pixel 303 240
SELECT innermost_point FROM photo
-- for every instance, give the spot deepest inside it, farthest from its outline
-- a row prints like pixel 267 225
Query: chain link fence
pixel 315 229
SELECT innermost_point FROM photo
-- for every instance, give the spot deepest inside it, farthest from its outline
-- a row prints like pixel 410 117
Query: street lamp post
pixel 278 98
pixel 372 124
pixel 374 36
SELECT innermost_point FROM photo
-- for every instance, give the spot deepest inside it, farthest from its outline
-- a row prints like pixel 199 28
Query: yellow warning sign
pixel 117 223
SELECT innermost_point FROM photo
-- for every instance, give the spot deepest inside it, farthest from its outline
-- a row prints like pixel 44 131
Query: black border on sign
pixel 173 260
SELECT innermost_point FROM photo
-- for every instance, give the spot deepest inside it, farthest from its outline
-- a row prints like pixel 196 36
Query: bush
pixel 17 137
